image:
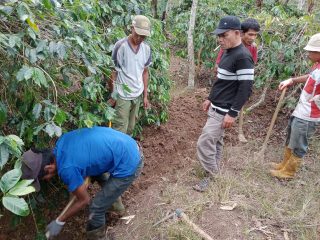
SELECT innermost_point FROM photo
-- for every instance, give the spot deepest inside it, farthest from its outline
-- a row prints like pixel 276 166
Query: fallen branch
pixel 241 136
pixel 262 98
pixel 262 229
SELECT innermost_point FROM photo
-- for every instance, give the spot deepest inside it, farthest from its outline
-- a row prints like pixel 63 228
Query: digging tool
pixel 273 120
pixel 71 202
pixel 185 218
pixel 164 219
pixel 181 215
pixel 241 136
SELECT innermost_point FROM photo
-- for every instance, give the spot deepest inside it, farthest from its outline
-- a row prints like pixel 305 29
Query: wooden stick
pixel 198 230
pixel 73 199
pixel 195 227
pixel 274 117
pixel 241 136
pixel 164 219
pixel 71 202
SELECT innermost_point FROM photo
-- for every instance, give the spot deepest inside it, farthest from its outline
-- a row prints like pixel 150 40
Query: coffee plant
pixel 54 66
pixel 284 32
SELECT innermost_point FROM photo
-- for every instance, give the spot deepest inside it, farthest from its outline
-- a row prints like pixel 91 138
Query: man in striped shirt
pixel 306 116
pixel 229 93
pixel 250 30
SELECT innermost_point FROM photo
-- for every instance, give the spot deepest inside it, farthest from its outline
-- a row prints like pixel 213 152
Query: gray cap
pixel 31 165
pixel 226 24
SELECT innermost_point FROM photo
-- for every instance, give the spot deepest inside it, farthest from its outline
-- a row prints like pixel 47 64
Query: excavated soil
pixel 169 149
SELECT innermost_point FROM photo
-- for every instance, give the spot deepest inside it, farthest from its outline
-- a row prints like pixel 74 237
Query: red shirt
pixel 252 49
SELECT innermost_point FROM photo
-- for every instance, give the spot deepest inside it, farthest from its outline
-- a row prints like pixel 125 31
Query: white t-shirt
pixel 306 110
pixel 130 66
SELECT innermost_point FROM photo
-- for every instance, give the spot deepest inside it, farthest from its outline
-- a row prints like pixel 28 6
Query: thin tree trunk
pixel 310 5
pixel 199 62
pixel 190 44
pixel 168 7
pixel 262 98
pixel 259 3
pixel 154 8
pixel 165 15
pixel 301 4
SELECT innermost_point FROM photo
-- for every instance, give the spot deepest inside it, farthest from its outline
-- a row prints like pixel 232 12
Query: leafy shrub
pixel 284 32
pixel 55 60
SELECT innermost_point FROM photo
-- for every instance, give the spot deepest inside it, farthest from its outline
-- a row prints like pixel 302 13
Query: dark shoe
pixel 118 207
pixel 203 185
pixel 97 234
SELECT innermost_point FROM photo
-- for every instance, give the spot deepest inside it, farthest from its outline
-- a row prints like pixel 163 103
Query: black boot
pixel 97 234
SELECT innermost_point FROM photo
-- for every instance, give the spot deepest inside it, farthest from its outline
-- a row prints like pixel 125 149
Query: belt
pixel 219 111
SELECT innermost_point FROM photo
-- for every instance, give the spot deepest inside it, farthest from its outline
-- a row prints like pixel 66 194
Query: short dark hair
pixel 250 23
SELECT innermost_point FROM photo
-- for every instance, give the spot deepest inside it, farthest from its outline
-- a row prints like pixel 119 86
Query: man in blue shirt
pixel 89 152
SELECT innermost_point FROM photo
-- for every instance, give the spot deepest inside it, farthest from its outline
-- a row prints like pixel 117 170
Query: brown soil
pixel 169 152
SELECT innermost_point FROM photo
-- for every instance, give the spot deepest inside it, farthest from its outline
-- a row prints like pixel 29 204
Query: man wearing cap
pixel 229 93
pixel 250 29
pixel 88 152
pixel 306 116
pixel 129 80
pixel 249 32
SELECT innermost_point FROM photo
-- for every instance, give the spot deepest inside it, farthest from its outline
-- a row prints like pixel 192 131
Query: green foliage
pixel 208 15
pixel 55 62
pixel 281 43
pixel 55 59
pixel 284 32
pixel 10 184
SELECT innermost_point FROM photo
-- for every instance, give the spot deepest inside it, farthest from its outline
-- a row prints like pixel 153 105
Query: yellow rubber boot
pixel 286 155
pixel 289 170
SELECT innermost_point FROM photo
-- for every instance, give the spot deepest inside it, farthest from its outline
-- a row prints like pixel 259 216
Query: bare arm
pixel 112 80
pixel 145 78
pixel 301 79
pixel 291 81
pixel 83 199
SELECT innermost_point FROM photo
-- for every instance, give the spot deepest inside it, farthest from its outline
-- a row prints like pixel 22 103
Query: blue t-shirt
pixel 94 151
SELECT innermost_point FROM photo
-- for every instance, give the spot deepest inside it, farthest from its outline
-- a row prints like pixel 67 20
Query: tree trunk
pixel 310 5
pixel 259 3
pixel 301 4
pixel 168 7
pixel 190 44
pixel 165 15
pixel 154 8
pixel 199 62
